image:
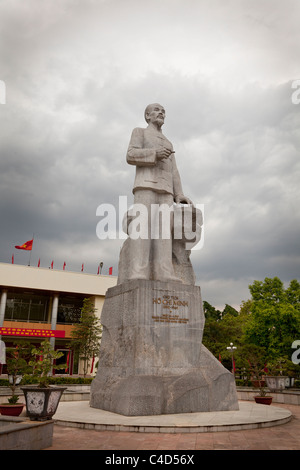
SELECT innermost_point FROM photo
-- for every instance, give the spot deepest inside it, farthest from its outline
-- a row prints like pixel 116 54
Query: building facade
pixel 38 303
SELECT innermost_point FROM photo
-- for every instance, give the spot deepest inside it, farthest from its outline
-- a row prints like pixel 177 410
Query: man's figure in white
pixel 157 183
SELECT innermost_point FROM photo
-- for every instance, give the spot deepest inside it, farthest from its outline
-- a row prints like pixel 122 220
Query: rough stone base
pixel 152 360
pixel 206 388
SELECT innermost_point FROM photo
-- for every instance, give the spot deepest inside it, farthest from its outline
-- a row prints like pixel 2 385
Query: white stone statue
pixel 152 360
pixel 157 187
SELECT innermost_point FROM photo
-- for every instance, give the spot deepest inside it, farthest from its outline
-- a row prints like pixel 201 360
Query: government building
pixel 38 303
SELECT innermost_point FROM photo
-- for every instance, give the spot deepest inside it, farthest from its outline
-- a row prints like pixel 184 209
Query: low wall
pixel 22 434
pixel 287 397
pixel 80 392
pixel 74 392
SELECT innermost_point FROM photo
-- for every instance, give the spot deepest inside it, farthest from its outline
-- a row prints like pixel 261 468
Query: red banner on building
pixel 32 332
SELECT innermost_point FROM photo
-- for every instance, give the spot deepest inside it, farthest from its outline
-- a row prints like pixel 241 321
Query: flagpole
pixel 31 250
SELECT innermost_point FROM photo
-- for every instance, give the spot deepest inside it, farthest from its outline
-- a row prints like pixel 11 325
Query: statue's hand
pixel 163 152
pixel 183 200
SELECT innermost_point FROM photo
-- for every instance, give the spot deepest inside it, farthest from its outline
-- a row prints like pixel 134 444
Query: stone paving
pixel 249 416
pixel 281 437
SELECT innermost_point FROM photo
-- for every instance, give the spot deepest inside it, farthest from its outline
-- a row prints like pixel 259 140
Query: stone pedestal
pixel 152 360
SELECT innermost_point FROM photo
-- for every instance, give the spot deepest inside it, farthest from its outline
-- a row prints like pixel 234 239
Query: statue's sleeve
pixel 136 153
pixel 177 187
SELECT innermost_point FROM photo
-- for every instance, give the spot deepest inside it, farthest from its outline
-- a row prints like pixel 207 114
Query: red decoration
pixel 8 331
pixel 26 246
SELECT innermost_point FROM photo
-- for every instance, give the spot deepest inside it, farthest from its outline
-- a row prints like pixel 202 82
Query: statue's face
pixel 156 114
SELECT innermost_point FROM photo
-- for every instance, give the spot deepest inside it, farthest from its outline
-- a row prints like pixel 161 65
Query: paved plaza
pixel 280 437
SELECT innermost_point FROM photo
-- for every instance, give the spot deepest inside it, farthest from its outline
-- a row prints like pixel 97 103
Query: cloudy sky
pixel 78 75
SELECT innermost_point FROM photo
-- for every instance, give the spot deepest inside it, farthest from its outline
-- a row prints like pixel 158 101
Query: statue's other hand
pixel 183 200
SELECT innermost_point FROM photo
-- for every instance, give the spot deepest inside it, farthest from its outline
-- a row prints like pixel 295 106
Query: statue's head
pixel 155 112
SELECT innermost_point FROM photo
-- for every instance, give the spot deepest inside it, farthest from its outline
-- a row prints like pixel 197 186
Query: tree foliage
pixel 221 328
pixel 43 362
pixel 268 322
pixel 86 335
pixel 17 364
pixel 274 322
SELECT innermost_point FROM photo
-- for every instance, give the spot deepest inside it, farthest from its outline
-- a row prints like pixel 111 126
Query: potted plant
pixel 42 400
pixel 258 372
pixel 263 398
pixel 16 367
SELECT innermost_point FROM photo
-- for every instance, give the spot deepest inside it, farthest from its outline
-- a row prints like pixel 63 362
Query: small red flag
pixel 82 267
pixel 39 263
pixel 110 271
pixel 12 259
pixel 26 246
pixel 64 265
pixel 52 265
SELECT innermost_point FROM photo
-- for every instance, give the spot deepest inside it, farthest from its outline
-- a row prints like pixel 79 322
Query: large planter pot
pixel 263 400
pixel 289 382
pixel 7 409
pixel 42 403
pixel 276 383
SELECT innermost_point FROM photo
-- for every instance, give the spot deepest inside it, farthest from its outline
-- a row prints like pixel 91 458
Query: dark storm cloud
pixel 78 77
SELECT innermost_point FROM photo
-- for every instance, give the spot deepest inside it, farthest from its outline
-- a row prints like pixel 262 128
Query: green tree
pixel 210 312
pixel 86 335
pixel 43 362
pixel 222 328
pixel 293 294
pixel 17 365
pixel 268 322
pixel 245 308
pixel 274 322
pixel 270 291
pixel 228 310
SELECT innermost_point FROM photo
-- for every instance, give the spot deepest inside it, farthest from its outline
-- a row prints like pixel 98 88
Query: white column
pixel 3 299
pixel 2 305
pixel 54 316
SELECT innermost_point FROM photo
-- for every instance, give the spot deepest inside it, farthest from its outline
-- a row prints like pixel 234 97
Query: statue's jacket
pixel 151 173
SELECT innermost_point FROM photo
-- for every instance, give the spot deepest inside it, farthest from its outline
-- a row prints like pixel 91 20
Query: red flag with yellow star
pixel 26 246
